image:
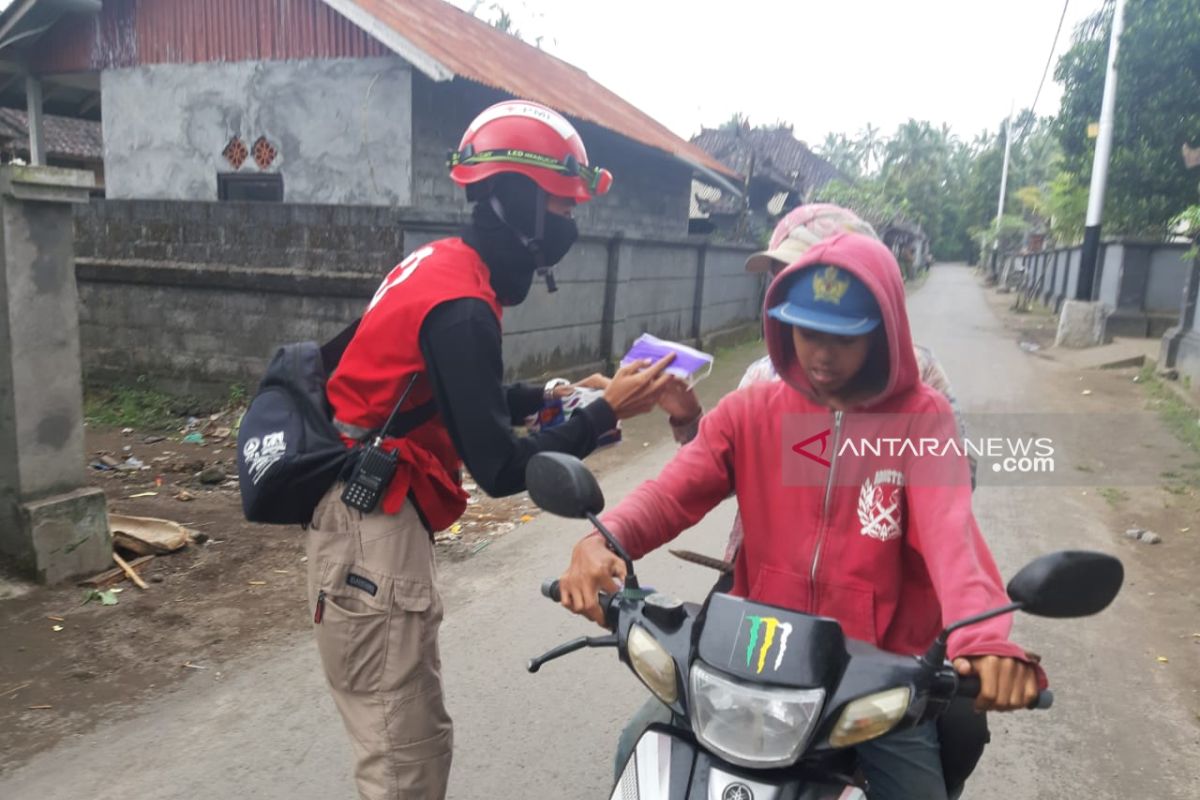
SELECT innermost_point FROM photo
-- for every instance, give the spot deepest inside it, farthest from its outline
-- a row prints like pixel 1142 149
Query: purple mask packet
pixel 690 364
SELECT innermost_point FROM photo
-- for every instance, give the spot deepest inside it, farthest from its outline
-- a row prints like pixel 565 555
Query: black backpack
pixel 289 452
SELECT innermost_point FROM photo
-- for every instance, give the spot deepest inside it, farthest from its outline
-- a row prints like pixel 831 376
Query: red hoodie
pixel 884 544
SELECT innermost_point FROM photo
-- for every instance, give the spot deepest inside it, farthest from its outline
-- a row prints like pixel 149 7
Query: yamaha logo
pixel 737 791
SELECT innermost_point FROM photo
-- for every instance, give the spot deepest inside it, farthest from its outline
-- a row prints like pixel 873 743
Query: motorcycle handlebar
pixel 551 591
pixel 968 686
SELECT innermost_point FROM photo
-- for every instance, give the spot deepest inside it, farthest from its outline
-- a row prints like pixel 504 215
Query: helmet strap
pixel 539 257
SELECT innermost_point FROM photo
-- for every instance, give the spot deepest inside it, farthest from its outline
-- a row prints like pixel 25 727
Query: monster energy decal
pixel 767 627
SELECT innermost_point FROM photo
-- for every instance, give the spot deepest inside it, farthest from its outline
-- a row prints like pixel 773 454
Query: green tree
pixel 1157 110
pixel 843 152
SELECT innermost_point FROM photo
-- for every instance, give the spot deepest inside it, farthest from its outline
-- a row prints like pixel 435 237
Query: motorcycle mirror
pixel 1069 583
pixel 561 484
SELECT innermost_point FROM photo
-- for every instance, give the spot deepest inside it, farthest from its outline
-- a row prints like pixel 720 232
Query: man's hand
pixel 594 569
pixel 679 401
pixel 1005 684
pixel 635 388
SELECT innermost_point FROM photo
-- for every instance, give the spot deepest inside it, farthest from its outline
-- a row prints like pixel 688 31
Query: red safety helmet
pixel 532 140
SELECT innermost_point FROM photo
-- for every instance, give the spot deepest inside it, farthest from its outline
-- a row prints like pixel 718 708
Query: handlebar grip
pixel 550 590
pixel 968 686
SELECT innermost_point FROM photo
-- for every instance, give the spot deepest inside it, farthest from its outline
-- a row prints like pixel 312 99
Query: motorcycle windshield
pixel 767 644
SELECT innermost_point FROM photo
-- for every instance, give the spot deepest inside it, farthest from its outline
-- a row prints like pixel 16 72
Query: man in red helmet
pixel 431 335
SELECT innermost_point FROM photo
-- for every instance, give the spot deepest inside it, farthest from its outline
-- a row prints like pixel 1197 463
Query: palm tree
pixel 843 153
pixel 870 146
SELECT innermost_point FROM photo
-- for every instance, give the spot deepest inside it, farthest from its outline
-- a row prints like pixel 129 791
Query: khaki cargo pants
pixel 376 612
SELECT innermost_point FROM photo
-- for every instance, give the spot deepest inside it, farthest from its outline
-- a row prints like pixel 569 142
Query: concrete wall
pixel 343 128
pixel 1168 274
pixel 1072 259
pixel 1110 260
pixel 197 295
pixel 1140 284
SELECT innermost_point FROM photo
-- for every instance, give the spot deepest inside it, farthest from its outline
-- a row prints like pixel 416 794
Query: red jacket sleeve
pixel 693 483
pixel 944 531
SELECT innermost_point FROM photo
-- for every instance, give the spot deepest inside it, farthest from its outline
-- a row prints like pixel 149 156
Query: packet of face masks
pixel 690 364
pixel 557 411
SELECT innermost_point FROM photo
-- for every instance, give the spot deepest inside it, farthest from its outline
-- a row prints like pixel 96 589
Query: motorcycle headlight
pixel 870 716
pixel 653 664
pixel 752 725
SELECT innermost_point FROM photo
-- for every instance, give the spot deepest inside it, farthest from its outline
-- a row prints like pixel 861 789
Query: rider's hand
pixel 595 381
pixel 679 401
pixel 1005 684
pixel 635 388
pixel 594 568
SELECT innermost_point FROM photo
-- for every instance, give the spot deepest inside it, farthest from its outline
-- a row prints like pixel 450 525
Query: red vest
pixel 384 355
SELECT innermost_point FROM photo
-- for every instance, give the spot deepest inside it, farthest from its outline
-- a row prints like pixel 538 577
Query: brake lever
pixel 535 664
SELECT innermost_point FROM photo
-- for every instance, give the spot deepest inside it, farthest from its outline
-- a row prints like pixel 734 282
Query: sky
pixel 829 66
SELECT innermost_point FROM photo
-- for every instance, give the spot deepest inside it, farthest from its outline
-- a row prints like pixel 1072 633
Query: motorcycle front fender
pixel 668 766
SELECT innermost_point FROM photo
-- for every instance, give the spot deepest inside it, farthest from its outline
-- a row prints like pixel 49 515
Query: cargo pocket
pixel 353 607
pixel 411 664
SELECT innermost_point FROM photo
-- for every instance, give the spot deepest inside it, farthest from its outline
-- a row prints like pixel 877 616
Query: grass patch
pixel 1178 489
pixel 1181 419
pixel 1113 496
pixel 1084 468
pixel 129 407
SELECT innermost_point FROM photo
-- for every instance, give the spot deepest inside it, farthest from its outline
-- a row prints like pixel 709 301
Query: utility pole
pixel 1091 233
pixel 1003 184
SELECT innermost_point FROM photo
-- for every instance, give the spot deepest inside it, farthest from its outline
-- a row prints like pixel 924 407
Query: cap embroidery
pixel 830 286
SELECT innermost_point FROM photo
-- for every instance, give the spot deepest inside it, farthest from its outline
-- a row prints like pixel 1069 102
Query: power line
pixel 1049 58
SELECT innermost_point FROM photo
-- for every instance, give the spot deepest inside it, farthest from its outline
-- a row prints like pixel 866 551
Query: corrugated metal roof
pixel 65 136
pixel 455 41
pixel 128 33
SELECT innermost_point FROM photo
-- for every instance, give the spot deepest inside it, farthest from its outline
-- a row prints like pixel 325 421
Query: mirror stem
pixel 936 655
pixel 631 581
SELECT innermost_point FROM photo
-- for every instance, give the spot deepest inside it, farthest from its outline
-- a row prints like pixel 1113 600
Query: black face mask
pixel 558 237
pixel 509 261
pixel 505 231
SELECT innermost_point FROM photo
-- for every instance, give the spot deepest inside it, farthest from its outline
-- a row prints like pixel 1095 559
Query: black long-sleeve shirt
pixel 461 342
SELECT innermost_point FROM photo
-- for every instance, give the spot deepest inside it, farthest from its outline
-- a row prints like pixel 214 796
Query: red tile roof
pixel 442 40
pixel 64 136
pixel 777 155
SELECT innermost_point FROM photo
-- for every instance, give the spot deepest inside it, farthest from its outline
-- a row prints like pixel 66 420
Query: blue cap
pixel 830 300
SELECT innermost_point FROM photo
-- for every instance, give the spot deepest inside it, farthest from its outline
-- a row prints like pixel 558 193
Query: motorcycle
pixel 768 702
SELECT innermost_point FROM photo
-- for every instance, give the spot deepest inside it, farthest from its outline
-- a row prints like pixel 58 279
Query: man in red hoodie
pixel 834 527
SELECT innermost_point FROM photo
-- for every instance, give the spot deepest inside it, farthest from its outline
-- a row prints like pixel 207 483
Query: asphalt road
pixel 264 727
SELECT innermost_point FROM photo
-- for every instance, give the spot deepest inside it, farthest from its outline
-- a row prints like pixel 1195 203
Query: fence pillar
pixel 698 296
pixel 612 277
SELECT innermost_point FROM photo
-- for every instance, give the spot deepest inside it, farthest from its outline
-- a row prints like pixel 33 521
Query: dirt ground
pixel 237 588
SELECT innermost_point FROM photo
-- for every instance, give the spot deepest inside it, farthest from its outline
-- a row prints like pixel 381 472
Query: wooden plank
pixel 111 576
